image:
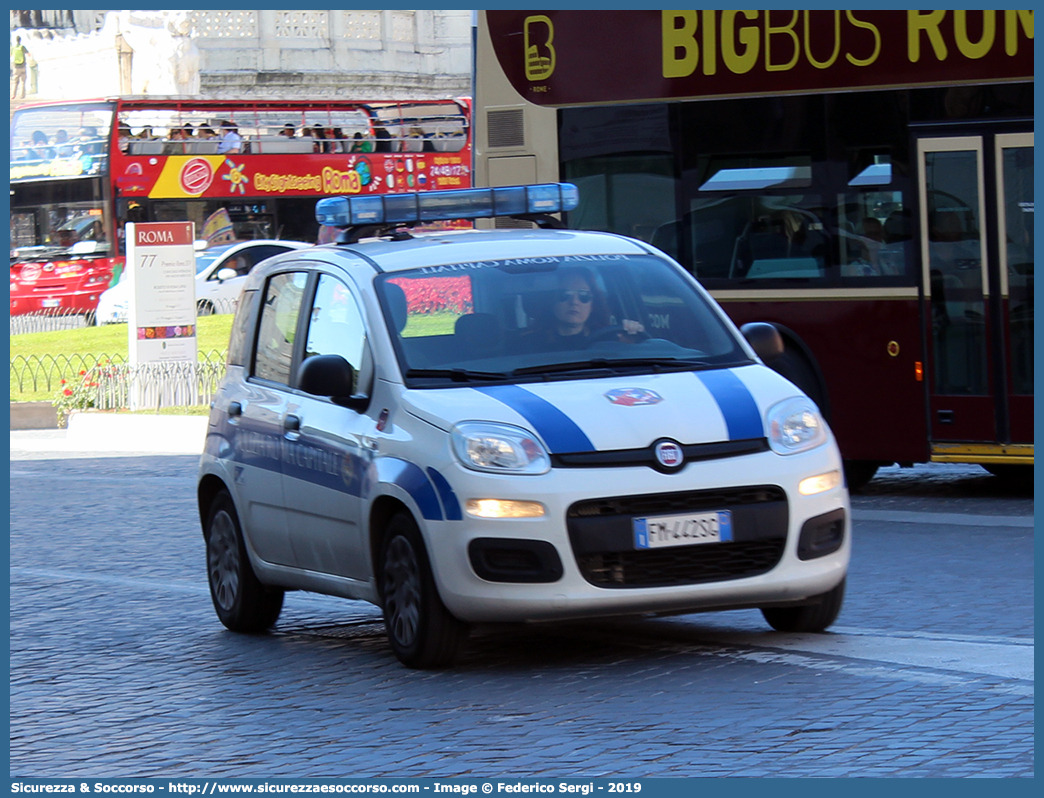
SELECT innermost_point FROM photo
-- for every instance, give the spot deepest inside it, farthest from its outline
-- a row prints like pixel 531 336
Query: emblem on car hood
pixel 669 453
pixel 631 397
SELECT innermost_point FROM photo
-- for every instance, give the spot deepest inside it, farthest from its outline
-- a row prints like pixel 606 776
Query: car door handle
pixel 235 409
pixel 292 424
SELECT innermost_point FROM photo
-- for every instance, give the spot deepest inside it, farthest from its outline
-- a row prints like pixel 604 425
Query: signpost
pixel 161 332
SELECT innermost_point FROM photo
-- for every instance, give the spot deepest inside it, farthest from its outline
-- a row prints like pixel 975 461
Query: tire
pixel 90 318
pixel 242 603
pixel 1020 476
pixel 204 308
pixel 422 632
pixel 858 473
pixel 816 616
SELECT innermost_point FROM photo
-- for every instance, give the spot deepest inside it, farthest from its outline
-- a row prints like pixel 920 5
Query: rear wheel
pixel 242 603
pixel 421 631
pixel 815 616
pixel 204 308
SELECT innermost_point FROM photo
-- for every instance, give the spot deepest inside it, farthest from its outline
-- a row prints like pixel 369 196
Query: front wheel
pixel 422 632
pixel 858 473
pixel 815 616
pixel 1019 476
pixel 242 603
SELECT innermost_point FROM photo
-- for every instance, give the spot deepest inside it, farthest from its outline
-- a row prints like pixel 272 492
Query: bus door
pixel 976 221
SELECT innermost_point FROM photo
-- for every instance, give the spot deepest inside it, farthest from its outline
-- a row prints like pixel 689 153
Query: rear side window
pixel 237 343
pixel 277 326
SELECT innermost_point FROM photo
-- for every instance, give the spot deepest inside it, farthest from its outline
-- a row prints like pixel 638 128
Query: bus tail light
pixel 918 371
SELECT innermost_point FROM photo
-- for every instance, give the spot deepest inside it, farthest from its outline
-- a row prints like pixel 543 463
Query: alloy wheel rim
pixel 402 590
pixel 223 560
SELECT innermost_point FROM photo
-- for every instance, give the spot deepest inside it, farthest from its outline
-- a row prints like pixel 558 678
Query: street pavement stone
pixel 120 668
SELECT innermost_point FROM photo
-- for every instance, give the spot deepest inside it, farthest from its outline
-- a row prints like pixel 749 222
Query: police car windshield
pixel 551 318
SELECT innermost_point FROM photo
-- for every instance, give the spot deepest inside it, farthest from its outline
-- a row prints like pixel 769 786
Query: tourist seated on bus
pixel 231 141
pixel 384 141
pixel 337 140
pixel 39 148
pixel 123 138
pixel 322 138
pixel 288 131
pixel 175 144
pixel 206 133
pixel 414 141
pixel 360 144
pixel 62 145
pixel 88 142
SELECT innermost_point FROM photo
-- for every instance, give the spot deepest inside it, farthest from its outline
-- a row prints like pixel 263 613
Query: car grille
pixel 602 537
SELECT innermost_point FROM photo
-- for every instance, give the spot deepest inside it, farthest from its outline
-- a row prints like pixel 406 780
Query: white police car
pixel 511 425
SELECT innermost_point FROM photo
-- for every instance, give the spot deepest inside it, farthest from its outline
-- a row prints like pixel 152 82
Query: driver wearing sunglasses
pixel 579 309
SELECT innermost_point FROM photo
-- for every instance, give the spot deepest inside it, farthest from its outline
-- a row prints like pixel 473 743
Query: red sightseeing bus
pixel 245 170
pixel 861 179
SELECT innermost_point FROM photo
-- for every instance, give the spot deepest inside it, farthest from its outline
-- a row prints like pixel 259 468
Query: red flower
pixel 82 373
pixel 63 382
pixel 67 392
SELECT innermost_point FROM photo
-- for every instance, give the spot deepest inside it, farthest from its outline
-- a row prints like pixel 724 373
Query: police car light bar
pixel 437 206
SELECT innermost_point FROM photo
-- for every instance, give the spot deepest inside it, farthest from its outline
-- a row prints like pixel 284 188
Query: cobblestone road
pixel 119 667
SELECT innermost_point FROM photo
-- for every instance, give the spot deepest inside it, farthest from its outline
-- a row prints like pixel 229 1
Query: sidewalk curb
pixel 122 432
pixel 33 415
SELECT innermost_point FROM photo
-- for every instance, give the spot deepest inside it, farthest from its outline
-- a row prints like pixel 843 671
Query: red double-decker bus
pixel 861 179
pixel 244 170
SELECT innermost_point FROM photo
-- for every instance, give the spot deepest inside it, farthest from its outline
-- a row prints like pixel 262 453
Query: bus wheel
pixel 1018 475
pixel 816 616
pixel 793 365
pixel 422 632
pixel 90 318
pixel 858 473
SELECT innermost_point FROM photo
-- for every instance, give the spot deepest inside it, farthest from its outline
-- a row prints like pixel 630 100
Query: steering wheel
pixel 613 332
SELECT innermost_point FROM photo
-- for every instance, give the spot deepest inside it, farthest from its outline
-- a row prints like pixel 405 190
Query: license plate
pixel 50 303
pixel 663 531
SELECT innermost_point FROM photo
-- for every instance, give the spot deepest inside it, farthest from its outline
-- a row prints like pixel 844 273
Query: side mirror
pixel 333 376
pixel 227 273
pixel 764 339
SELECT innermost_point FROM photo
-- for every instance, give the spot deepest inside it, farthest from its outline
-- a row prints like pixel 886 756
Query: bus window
pixel 872 232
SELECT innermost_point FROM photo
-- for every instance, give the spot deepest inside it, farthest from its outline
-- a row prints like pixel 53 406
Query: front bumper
pixel 603 574
pixel 83 300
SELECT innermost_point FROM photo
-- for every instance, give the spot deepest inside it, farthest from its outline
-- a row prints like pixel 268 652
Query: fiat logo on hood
pixel 669 454
pixel 632 397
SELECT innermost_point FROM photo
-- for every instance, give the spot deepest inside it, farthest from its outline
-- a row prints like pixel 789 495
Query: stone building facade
pixel 321 54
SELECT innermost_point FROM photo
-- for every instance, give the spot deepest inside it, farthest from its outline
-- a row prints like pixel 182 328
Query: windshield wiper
pixel 603 364
pixel 455 375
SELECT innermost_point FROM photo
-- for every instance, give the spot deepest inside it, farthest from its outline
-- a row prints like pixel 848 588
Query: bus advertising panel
pixel 580 57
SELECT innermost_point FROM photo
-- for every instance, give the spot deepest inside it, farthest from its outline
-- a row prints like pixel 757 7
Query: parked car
pixel 220 274
pixel 65 274
pixel 509 426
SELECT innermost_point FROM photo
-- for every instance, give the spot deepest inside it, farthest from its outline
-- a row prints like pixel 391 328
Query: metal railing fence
pixel 106 382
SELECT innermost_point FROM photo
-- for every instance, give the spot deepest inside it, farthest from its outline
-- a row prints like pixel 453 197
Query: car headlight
pixel 499 448
pixel 795 425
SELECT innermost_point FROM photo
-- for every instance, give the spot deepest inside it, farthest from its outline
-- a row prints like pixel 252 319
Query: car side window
pixel 277 326
pixel 237 344
pixel 336 325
